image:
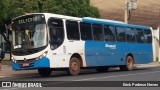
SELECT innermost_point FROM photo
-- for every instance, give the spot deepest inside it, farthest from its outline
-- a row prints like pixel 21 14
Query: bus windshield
pixel 29 32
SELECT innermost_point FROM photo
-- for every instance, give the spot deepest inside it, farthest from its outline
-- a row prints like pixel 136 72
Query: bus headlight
pixel 43 55
pixel 13 60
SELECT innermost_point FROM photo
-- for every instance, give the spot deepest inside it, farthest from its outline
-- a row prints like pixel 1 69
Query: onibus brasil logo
pixel 21 84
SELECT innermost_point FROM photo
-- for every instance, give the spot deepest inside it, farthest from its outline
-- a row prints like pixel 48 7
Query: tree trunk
pixel 8 42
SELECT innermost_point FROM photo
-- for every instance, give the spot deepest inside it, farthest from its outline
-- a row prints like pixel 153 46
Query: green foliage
pixel 10 9
pixel 157 59
pixel 78 8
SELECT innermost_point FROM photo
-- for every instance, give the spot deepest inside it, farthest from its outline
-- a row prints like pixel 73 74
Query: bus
pixel 49 42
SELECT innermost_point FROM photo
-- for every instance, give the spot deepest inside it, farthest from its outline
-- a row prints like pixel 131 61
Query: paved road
pixel 142 74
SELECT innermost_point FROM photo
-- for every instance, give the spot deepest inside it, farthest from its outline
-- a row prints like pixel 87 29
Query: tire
pixel 102 69
pixel 74 66
pixel 44 71
pixel 129 64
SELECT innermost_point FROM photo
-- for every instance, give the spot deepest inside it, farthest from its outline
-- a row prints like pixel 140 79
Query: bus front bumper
pixel 33 64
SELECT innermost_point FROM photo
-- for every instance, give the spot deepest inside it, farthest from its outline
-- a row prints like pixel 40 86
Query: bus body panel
pixel 33 60
pixel 101 53
pixel 60 57
pixel 93 53
pixel 98 54
pixel 41 63
pixel 115 53
pixel 110 22
pixel 144 53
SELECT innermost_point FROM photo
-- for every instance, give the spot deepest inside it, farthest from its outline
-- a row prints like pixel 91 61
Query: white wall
pixel 156 42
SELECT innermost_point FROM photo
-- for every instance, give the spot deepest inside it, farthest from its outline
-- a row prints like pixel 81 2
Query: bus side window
pixel 148 36
pixel 139 36
pixel 56 32
pixel 130 34
pixel 86 33
pixel 97 32
pixel 121 35
pixel 72 30
pixel 110 33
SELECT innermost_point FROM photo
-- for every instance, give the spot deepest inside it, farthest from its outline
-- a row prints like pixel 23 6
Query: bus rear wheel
pixel 44 71
pixel 129 64
pixel 74 66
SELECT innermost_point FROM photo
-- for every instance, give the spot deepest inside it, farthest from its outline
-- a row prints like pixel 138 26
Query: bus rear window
pixel 139 36
pixel 148 36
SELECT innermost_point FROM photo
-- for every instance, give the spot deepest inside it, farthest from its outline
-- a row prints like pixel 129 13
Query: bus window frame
pixel 49 34
pixel 115 36
pixel 145 34
pixel 134 34
pixel 90 31
pixel 117 33
pixel 137 35
pixel 67 30
pixel 93 32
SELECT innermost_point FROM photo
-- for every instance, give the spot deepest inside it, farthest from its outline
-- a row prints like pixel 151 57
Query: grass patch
pixel 157 59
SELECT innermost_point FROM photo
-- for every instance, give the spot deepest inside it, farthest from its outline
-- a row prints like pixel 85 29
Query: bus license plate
pixel 25 64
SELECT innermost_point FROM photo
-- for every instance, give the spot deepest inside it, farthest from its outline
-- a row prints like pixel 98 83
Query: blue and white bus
pixel 50 42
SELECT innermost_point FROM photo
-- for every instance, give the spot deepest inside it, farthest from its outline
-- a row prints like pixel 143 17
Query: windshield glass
pixel 29 32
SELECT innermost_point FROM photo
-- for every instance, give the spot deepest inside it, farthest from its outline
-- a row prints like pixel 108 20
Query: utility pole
pixel 126 12
pixel 129 6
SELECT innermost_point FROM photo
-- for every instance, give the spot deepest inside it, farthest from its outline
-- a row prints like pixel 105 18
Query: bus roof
pixel 53 15
pixel 89 20
pixel 112 22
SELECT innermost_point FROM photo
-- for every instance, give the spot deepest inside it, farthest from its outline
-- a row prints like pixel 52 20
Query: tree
pixel 3 18
pixel 10 9
pixel 78 8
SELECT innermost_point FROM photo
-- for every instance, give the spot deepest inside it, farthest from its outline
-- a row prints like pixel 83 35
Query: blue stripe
pixel 98 21
pixel 42 63
pixel 99 54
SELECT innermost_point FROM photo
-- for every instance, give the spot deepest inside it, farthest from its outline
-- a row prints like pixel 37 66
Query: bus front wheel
pixel 74 66
pixel 129 64
pixel 45 71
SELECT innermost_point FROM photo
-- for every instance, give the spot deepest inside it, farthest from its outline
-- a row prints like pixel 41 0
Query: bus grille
pixel 30 61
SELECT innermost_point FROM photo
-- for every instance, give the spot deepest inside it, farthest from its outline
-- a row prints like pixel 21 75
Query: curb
pixel 4 76
pixel 146 65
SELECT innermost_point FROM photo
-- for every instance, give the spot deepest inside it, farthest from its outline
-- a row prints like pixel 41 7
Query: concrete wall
pixel 148 12
pixel 156 42
pixel 156 48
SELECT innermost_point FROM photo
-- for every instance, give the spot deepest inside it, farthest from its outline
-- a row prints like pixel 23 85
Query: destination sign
pixel 29 19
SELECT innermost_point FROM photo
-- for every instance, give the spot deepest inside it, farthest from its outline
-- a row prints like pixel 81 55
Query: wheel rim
pixel 74 66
